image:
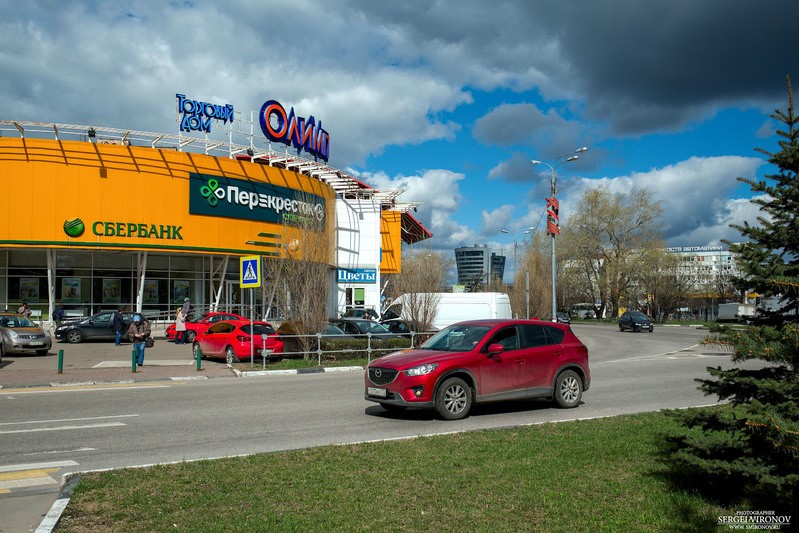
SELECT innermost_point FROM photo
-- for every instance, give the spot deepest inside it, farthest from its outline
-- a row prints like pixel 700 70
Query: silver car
pixel 21 335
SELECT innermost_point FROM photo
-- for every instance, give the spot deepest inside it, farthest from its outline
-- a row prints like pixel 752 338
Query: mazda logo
pixel 378 372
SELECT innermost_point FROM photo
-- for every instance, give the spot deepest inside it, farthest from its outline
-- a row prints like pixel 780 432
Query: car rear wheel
pixel 190 335
pixel 1 352
pixel 568 389
pixel 74 336
pixel 230 355
pixel 453 399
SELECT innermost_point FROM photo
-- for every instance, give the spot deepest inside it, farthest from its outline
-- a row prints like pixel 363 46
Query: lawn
pixel 593 475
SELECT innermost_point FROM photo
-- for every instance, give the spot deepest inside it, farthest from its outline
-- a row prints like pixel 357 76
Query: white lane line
pixel 63 428
pixel 34 466
pixel 644 357
pixel 65 420
pixel 89 388
pixel 55 452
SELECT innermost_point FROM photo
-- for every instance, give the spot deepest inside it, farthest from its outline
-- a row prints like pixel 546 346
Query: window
pixel 534 336
pixel 507 337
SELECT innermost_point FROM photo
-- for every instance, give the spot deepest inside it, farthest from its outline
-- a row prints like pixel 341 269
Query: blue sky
pixel 446 100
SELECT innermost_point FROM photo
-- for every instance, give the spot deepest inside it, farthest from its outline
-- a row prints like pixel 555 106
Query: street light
pixel 552 208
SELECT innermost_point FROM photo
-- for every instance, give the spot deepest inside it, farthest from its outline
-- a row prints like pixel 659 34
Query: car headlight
pixel 13 334
pixel 421 370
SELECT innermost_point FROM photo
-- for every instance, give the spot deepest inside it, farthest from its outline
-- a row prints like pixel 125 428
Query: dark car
pixel 635 321
pixel 361 313
pixel 360 327
pixel 96 327
pixel 482 361
pixel 563 318
pixel 398 326
pixel 19 334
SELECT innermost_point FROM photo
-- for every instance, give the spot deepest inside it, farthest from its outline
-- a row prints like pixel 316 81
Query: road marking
pixel 54 452
pixel 64 428
pixel 153 362
pixel 82 388
pixel 65 420
pixel 31 466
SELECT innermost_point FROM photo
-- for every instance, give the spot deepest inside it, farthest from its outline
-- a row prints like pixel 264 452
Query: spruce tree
pixel 747 452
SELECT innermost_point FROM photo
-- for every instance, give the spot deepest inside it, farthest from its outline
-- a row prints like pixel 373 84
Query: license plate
pixel 265 352
pixel 36 343
pixel 374 391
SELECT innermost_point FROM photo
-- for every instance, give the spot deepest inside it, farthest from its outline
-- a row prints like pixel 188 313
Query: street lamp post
pixel 552 209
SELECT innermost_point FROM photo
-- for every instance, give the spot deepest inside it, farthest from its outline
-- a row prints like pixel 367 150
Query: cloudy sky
pixel 447 100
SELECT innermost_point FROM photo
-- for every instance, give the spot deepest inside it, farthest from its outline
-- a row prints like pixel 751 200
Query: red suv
pixel 483 361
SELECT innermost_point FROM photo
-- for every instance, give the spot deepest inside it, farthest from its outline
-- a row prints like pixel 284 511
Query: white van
pixel 459 306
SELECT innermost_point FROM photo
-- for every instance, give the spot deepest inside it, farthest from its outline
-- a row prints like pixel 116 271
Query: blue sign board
pixel 357 275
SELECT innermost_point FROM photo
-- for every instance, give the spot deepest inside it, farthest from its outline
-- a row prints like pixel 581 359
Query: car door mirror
pixel 495 349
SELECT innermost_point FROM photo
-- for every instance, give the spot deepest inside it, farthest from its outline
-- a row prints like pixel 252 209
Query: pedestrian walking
pixel 118 323
pixel 186 306
pixel 180 326
pixel 138 333
pixel 58 315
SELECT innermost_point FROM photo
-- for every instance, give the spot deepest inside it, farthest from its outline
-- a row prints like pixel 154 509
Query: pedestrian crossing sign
pixel 250 272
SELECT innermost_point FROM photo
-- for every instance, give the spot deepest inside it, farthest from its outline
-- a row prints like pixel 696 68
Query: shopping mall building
pixel 97 218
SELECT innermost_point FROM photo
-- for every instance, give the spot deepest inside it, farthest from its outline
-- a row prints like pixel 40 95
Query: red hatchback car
pixel 197 325
pixel 233 340
pixel 482 361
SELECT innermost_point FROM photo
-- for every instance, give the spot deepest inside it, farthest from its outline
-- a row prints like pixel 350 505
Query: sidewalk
pixel 102 362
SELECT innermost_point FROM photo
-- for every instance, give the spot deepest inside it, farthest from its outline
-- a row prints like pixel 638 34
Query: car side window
pixel 105 317
pixel 555 335
pixel 507 337
pixel 221 327
pixel 534 335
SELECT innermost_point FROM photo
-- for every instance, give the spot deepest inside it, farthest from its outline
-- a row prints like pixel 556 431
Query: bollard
pixel 199 359
pixel 60 361
pixel 133 361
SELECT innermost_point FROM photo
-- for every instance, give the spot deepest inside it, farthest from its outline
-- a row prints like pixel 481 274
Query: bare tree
pixel 609 238
pixel 423 274
pixel 661 285
pixel 301 279
pixel 535 267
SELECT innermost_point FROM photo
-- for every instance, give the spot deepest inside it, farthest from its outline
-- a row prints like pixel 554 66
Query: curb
pixel 256 373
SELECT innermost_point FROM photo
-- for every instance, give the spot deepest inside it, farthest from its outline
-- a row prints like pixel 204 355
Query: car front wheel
pixel 568 389
pixel 74 336
pixel 453 399
pixel 621 328
pixel 230 355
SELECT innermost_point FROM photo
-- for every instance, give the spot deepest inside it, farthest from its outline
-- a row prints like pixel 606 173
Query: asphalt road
pixel 46 432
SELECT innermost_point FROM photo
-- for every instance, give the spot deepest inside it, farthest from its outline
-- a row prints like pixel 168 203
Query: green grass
pixel 595 475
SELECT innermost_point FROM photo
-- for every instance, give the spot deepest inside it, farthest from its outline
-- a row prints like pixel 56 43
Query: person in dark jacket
pixel 118 323
pixel 138 333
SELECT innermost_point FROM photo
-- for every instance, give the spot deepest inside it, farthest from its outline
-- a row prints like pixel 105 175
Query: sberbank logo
pixel 209 192
pixel 74 227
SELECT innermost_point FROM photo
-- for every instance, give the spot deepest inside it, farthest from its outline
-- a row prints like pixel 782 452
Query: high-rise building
pixel 477 265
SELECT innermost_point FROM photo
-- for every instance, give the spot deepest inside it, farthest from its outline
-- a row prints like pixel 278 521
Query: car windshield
pixel 638 316
pixel 16 322
pixel 456 339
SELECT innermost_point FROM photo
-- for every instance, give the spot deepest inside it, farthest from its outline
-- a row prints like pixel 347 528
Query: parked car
pixel 635 321
pixel 359 327
pixel 199 323
pixel 482 361
pixel 398 326
pixel 19 334
pixel 96 327
pixel 361 313
pixel 563 318
pixel 233 340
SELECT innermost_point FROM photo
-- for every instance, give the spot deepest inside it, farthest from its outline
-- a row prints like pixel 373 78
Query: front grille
pixel 382 376
pixel 32 337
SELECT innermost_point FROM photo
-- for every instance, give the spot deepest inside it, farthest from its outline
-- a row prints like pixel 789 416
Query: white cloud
pixel 694 193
